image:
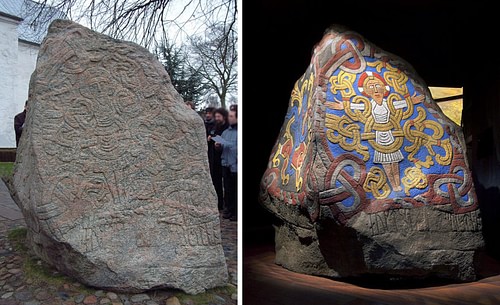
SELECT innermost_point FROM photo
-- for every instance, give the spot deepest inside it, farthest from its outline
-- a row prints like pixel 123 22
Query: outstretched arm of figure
pixel 337 105
pixel 417 99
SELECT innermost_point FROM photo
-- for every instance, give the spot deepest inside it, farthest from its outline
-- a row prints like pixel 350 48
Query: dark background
pixel 449 43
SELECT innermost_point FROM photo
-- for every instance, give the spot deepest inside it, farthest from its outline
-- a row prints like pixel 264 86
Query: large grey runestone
pixel 112 173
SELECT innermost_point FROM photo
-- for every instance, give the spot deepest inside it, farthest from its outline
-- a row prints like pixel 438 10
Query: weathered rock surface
pixel 368 176
pixel 111 172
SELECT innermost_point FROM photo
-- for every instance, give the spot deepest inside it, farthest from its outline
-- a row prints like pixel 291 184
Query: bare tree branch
pixel 208 26
pixel 217 55
pixel 143 21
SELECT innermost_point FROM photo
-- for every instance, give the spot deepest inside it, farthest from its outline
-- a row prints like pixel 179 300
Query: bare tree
pixel 150 22
pixel 217 58
pixel 185 79
pixel 142 21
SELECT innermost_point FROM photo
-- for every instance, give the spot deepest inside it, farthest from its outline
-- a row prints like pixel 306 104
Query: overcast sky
pixel 183 18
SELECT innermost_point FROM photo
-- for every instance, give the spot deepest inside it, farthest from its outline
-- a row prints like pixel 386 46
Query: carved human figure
pixel 373 86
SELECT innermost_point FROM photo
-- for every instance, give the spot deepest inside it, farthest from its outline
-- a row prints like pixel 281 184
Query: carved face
pixel 374 88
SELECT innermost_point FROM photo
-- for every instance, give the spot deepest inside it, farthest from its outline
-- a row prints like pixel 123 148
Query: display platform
pixel 266 283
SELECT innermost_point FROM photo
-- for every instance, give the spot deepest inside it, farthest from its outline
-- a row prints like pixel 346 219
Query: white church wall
pixel 8 78
pixel 26 63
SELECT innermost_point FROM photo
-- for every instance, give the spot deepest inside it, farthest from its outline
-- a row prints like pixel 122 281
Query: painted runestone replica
pixel 111 171
pixel 368 176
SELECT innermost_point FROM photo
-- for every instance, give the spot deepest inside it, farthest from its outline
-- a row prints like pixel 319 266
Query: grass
pixel 7 176
pixel 40 273
pixel 17 238
pixel 34 268
pixel 6 169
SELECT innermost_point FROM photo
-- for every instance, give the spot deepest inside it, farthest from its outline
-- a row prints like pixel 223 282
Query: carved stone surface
pixel 368 176
pixel 111 172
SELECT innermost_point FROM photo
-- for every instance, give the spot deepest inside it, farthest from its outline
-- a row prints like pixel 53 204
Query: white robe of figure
pixel 381 115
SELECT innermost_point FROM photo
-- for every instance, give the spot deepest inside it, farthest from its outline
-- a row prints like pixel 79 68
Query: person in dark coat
pixel 209 119
pixel 229 161
pixel 214 155
pixel 19 123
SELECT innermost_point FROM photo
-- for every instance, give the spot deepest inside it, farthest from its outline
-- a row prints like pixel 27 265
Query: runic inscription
pixel 405 221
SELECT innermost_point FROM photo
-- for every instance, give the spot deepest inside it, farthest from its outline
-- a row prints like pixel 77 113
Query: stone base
pixel 405 243
pixel 297 249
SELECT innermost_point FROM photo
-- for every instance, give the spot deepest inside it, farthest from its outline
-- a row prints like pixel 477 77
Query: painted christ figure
pixel 373 86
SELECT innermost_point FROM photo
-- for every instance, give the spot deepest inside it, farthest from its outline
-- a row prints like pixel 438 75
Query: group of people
pixel 222 134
